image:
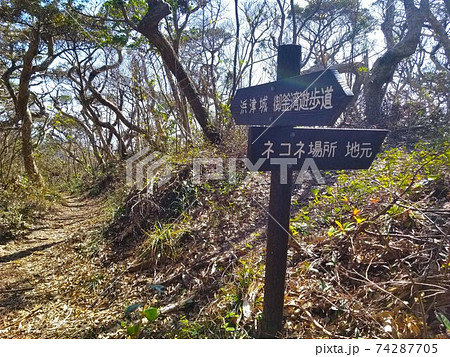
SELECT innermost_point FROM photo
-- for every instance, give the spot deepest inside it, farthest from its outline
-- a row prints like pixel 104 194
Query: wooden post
pixel 288 65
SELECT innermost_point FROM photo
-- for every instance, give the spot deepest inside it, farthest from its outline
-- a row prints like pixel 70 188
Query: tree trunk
pixel 236 49
pixel 282 22
pixel 89 133
pixel 157 10
pixel 23 113
pixel 183 120
pixel 294 24
pixel 384 67
pixel 27 150
pixel 440 31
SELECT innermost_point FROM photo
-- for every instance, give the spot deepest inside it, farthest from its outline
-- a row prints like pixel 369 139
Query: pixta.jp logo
pixel 146 169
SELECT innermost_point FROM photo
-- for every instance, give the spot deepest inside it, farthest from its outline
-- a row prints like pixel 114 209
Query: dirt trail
pixel 30 267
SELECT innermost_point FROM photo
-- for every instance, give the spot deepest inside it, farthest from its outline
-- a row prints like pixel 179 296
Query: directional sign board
pixel 331 149
pixel 314 99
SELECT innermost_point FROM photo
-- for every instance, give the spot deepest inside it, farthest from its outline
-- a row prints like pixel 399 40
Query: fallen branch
pixel 317 324
pixel 177 305
pixel 204 262
pixel 31 313
pixel 15 290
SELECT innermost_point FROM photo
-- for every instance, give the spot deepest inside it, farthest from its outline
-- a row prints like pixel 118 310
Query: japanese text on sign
pixel 318 149
pixel 317 98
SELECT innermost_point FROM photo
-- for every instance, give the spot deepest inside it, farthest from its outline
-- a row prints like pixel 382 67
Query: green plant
pixel 163 242
pixel 444 320
pixel 231 321
pixel 94 281
pixel 240 296
pixel 140 318
pixel 189 329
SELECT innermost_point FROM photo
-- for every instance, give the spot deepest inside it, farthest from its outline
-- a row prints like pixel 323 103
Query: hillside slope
pixel 369 257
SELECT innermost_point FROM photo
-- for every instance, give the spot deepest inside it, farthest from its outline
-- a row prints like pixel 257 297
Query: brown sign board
pixel 314 99
pixel 330 148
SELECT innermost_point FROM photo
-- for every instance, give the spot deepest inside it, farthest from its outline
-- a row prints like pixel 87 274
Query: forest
pixel 91 92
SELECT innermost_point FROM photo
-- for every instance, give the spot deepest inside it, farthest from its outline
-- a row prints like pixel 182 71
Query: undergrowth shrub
pixel 20 203
pixel 358 196
pixel 94 181
pixel 378 237
pixel 162 243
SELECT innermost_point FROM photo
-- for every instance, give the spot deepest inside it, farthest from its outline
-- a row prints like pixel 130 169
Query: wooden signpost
pixel 316 99
pixel 330 148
